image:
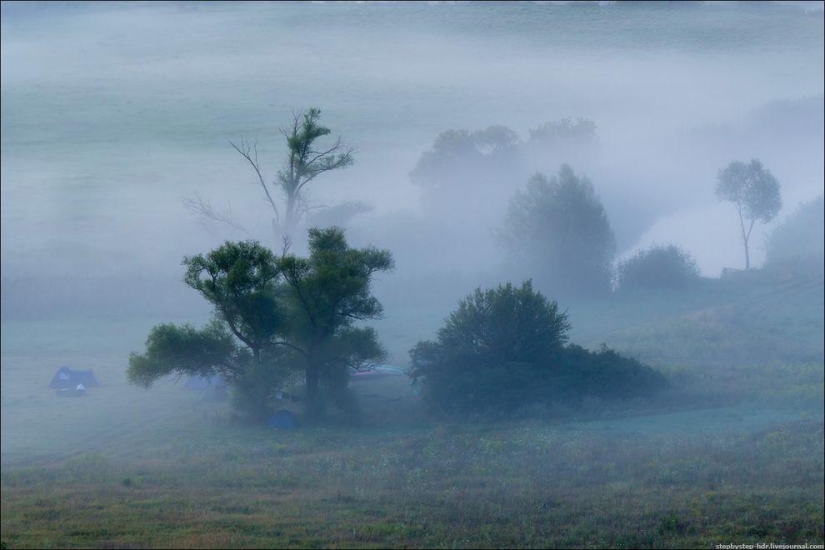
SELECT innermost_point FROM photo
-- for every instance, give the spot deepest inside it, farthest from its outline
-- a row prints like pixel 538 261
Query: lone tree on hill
pixel 755 193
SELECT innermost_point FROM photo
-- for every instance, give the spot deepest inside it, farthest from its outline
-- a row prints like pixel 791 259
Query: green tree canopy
pixel 489 352
pixel 330 292
pixel 185 350
pixel 241 281
pixel 558 230
pixel 287 314
pixel 505 349
pixel 506 324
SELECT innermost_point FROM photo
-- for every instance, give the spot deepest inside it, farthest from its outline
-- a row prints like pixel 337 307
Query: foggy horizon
pixel 560 283
pixel 112 114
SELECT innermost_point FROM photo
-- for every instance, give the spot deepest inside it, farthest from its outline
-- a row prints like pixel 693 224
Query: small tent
pixel 283 420
pixel 68 378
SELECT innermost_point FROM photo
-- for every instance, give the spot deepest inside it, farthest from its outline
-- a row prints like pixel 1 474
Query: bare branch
pixel 200 206
pixel 251 156
pixel 313 169
pixel 335 147
pixel 305 208
pixel 287 243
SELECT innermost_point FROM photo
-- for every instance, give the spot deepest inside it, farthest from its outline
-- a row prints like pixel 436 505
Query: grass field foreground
pixel 731 454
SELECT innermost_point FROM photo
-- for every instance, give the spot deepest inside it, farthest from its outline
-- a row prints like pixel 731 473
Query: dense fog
pixel 559 284
pixel 114 114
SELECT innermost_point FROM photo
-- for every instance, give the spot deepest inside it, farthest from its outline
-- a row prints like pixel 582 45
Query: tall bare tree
pixel 305 161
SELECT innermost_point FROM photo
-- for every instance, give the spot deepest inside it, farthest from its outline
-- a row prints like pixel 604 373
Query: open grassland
pixel 514 485
pixel 732 453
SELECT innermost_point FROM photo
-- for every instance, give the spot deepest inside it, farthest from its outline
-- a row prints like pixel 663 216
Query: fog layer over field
pixel 113 113
pixel 617 400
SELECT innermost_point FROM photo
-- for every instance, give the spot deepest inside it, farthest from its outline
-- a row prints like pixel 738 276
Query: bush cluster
pixel 505 350
pixel 658 267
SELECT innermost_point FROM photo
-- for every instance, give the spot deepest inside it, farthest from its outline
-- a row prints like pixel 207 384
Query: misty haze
pixel 426 274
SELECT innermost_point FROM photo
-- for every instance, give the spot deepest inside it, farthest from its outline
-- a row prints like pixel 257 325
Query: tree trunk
pixel 745 237
pixel 290 221
pixel 312 407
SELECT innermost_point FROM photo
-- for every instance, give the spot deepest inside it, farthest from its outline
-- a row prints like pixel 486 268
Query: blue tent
pixel 283 420
pixel 68 378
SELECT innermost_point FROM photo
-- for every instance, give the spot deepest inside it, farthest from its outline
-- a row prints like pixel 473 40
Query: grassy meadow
pixel 732 453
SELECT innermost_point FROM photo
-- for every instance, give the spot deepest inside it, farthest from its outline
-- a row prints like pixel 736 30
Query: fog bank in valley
pixel 113 113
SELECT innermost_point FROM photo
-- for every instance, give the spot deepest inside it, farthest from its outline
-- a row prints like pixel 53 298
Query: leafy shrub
pixel 658 267
pixel 605 374
pixel 504 350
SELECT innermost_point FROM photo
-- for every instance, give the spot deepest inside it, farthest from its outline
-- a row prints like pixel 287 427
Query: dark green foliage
pixel 243 282
pixel 503 350
pixel 291 314
pixel 755 193
pixel 558 230
pixel 658 267
pixel 330 291
pixel 604 374
pixel 506 324
pixel 185 350
pixel 489 351
pixel 240 280
pixel 800 239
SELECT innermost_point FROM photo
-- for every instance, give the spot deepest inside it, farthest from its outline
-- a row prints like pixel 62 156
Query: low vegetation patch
pixel 658 267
